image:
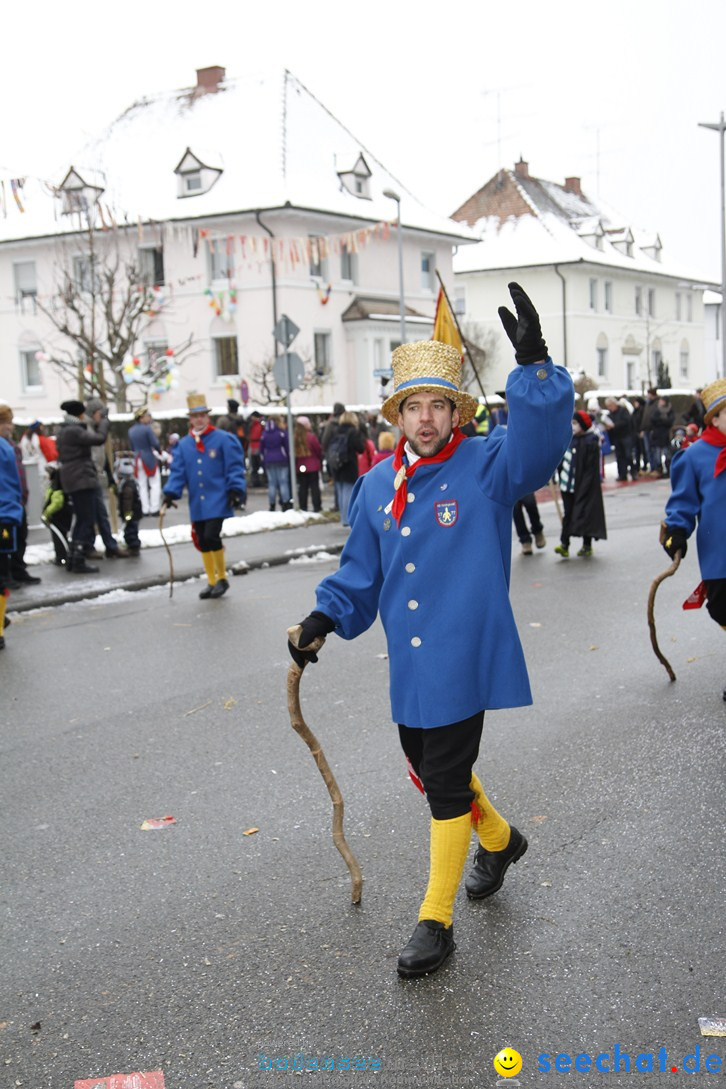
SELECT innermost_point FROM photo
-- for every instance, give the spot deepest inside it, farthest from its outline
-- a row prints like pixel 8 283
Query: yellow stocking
pixel 3 603
pixel 219 567
pixel 449 848
pixel 490 827
pixel 210 567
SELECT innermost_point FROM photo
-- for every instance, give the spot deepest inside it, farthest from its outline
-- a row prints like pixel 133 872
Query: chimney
pixel 521 169
pixel 572 185
pixel 209 80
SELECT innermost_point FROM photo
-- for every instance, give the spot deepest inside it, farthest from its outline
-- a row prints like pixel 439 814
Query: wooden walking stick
pixel 162 512
pixel 651 617
pixel 298 724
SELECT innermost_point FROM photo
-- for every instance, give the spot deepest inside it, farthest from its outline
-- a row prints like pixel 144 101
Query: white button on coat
pixel 405 531
pixel 415 642
pixel 410 567
pixel 413 605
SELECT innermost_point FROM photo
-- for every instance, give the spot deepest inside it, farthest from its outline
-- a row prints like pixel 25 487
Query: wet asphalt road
pixel 205 953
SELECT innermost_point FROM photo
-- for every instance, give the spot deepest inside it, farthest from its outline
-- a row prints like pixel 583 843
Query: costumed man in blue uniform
pixel 698 497
pixel 430 538
pixel 147 467
pixel 209 464
pixel 11 509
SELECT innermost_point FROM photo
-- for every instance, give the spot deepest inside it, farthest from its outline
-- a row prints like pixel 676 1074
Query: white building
pixel 240 201
pixel 611 305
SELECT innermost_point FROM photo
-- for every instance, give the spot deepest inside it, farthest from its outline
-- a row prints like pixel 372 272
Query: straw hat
pixel 197 402
pixel 432 367
pixel 714 398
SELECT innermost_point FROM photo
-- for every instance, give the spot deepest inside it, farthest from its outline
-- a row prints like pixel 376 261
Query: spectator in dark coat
pixel 622 438
pixel 78 475
pixel 308 461
pixel 581 489
pixel 661 422
pixel 651 402
pixel 350 437
pixel 695 411
pixel 274 452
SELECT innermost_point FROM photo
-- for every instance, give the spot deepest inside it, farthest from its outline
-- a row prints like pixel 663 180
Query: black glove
pixel 674 540
pixel 167 502
pixel 236 499
pixel 317 624
pixel 524 331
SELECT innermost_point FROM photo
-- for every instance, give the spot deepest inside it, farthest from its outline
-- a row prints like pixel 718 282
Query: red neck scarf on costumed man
pixel 198 437
pixel 713 437
pixel 404 472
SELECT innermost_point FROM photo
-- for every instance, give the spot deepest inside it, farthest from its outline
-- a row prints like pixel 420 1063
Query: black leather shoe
pixel 220 588
pixel 116 554
pixel 26 579
pixel 490 866
pixel 427 949
pixel 206 592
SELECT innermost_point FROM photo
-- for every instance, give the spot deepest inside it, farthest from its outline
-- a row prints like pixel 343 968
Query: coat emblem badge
pixel 447 512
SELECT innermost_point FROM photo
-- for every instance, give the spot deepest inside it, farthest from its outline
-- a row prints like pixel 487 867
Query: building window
pixel 30 370
pixel 630 374
pixel 608 301
pixel 192 182
pixel 155 350
pixel 460 301
pixel 26 286
pixel 638 300
pixel 83 273
pixel 428 275
pixel 683 359
pixel 689 308
pixel 348 264
pixel 678 306
pixel 226 356
pixel 651 302
pixel 221 259
pixel 318 256
pixel 593 294
pixel 322 353
pixel 151 265
pixel 601 352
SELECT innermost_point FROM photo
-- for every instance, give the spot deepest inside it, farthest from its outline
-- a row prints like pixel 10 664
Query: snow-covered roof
pixel 277 145
pixel 533 222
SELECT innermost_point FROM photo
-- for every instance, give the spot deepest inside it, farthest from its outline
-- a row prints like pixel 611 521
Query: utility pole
pixel 720 127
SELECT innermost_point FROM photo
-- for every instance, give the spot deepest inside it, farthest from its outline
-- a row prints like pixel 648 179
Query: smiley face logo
pixel 508 1062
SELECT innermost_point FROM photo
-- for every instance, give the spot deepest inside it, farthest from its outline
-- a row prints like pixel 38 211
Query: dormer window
pixel 652 249
pixel 356 179
pixel 79 194
pixel 196 174
pixel 621 239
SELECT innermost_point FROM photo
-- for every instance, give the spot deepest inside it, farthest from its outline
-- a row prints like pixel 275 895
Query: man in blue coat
pixel 210 465
pixel 11 508
pixel 698 497
pixel 430 545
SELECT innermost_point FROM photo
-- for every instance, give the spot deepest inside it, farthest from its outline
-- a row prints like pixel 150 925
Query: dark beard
pixel 439 446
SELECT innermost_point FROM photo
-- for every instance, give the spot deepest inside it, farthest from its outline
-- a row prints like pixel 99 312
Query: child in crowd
pixel 581 489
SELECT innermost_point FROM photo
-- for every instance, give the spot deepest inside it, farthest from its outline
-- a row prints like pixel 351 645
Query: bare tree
pixel 268 392
pixel 101 307
pixel 483 347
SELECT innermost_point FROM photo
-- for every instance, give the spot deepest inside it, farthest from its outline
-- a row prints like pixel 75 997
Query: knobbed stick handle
pixel 651 615
pixel 300 726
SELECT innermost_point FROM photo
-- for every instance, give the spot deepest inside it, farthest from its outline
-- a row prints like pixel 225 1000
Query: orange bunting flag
pixel 445 329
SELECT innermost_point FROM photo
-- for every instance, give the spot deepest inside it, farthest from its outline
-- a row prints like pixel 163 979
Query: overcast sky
pixel 442 94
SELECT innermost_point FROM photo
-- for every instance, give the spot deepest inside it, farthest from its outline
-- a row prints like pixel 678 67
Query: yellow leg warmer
pixel 490 827
pixel 210 567
pixel 219 566
pixel 3 604
pixel 448 851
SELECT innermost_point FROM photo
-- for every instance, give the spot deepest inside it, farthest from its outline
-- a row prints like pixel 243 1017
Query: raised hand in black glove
pixel 315 626
pixel 524 331
pixel 674 540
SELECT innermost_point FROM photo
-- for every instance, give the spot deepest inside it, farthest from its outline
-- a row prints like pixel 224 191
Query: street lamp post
pixel 719 127
pixel 393 195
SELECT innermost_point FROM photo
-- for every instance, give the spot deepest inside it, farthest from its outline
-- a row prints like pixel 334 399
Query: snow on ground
pixel 259 522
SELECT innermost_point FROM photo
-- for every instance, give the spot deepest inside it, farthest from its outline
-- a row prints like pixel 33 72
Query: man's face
pixel 97 415
pixel 719 420
pixel 427 420
pixel 199 420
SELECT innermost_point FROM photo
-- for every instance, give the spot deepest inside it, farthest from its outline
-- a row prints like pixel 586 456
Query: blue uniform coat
pixel 441 578
pixel 11 501
pixel 698 496
pixel 208 476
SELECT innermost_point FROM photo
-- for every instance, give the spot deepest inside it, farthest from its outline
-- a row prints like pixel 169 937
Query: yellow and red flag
pixel 445 329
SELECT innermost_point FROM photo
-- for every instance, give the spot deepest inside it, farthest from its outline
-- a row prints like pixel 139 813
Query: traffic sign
pixel 280 371
pixel 285 331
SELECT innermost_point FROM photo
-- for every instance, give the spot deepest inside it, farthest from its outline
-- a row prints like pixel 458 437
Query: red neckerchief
pixel 713 437
pixel 198 437
pixel 403 472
